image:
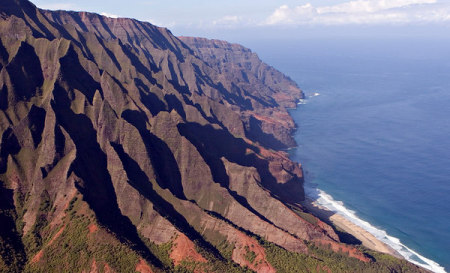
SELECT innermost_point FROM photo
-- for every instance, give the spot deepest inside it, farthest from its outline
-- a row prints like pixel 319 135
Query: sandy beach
pixel 367 239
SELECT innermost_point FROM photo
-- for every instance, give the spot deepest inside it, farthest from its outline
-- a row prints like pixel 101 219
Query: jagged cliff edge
pixel 124 147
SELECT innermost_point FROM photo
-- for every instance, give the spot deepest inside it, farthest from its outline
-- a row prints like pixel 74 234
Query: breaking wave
pixel 327 201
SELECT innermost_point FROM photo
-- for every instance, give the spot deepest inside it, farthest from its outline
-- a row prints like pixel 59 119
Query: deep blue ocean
pixel 375 144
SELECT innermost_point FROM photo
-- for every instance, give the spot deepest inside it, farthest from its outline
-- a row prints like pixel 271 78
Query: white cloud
pixel 289 16
pixel 362 12
pixel 109 15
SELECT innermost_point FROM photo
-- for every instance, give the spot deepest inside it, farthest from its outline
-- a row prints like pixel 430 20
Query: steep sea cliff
pixel 374 142
pixel 124 148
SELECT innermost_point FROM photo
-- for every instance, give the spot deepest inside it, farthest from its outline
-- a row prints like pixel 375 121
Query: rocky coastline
pixel 124 148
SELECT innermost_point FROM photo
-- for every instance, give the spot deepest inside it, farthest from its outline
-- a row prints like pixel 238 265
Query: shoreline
pixel 367 239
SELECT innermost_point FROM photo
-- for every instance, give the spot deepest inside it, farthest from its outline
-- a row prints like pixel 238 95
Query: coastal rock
pixel 119 139
pixel 265 92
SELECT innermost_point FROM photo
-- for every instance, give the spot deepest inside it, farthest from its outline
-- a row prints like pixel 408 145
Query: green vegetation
pixel 225 248
pixel 12 255
pixel 321 260
pixel 76 248
pixel 71 204
pixel 70 251
pixel 285 261
pixel 74 243
pixel 118 256
pixel 162 251
pixel 215 264
pixel 33 239
pixel 306 216
pixel 250 255
pixel 221 264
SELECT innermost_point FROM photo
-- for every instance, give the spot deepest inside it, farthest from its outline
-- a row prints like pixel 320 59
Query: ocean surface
pixel 374 135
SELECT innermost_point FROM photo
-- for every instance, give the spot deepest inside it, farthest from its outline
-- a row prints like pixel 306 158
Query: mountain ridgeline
pixel 126 149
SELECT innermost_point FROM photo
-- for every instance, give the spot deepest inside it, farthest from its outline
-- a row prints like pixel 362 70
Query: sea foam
pixel 327 201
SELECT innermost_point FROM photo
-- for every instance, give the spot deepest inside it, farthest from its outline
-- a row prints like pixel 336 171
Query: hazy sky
pixel 285 17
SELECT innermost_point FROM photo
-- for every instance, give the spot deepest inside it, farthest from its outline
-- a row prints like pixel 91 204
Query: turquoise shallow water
pixel 377 138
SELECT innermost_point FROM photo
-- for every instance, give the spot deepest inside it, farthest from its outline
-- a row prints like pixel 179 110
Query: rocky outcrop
pixel 124 148
pixel 267 91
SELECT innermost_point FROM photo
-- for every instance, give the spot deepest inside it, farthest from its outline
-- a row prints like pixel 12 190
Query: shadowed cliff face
pixel 126 148
pixel 262 90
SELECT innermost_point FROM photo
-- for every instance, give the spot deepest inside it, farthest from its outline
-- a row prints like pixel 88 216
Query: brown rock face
pixel 117 137
pixel 265 91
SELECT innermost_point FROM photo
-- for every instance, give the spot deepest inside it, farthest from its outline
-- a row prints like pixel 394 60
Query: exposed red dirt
pixel 247 244
pixel 94 268
pixel 37 257
pixel 92 228
pixel 143 267
pixel 320 269
pixel 283 120
pixel 108 269
pixel 183 249
pixel 340 247
pixel 60 231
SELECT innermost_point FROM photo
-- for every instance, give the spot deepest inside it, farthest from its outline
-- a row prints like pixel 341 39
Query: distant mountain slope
pixel 124 148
